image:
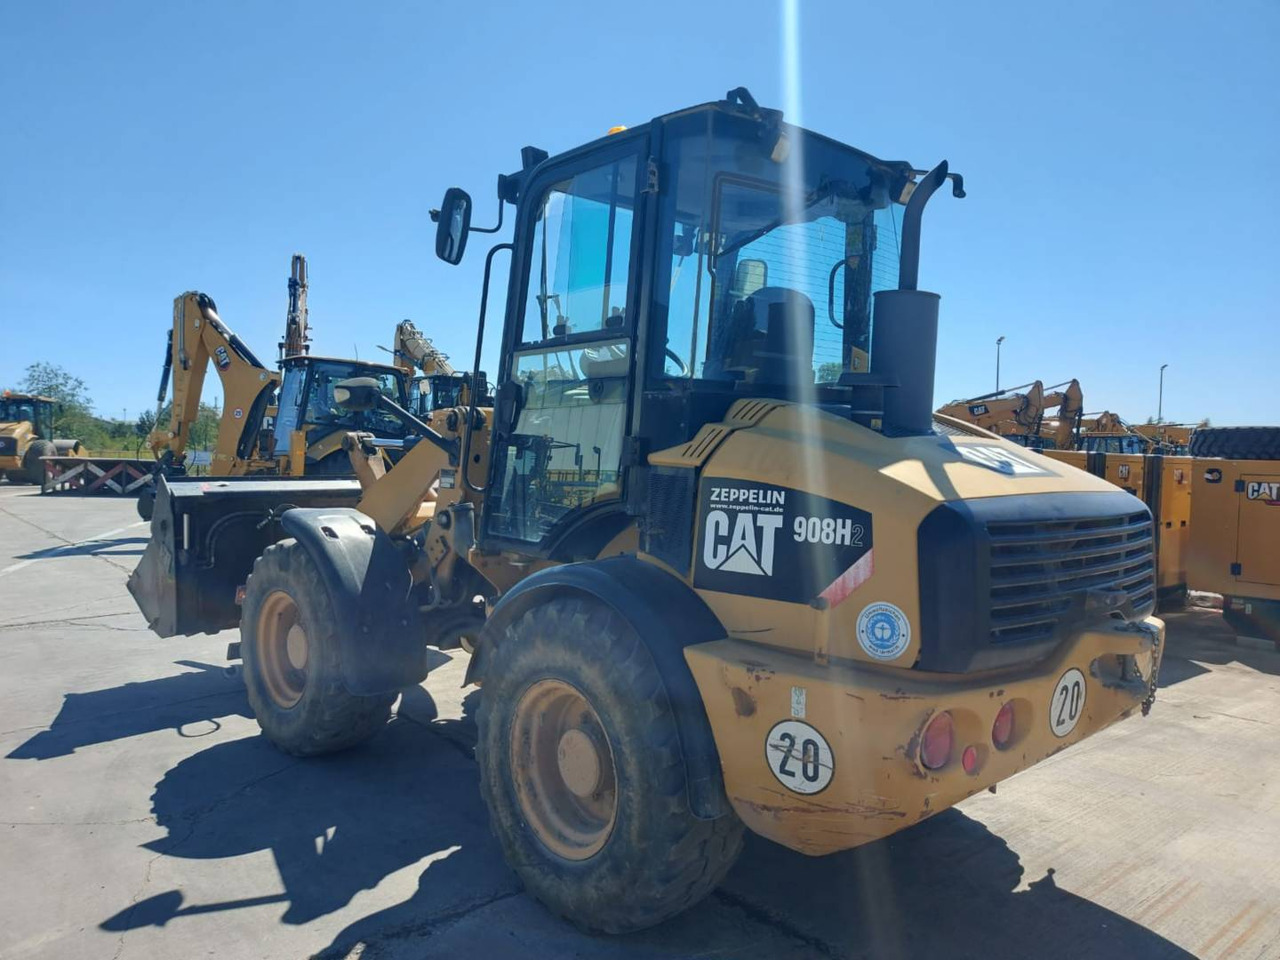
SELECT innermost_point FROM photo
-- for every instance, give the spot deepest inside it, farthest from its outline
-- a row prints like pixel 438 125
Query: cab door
pixel 565 387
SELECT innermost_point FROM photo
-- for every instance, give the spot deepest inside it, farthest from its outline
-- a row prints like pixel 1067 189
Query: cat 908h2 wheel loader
pixel 713 578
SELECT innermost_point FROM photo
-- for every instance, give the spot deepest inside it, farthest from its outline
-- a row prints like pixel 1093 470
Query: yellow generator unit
pixel 1235 540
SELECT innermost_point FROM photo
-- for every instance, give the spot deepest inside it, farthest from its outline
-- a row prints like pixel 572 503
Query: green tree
pixel 142 428
pixel 72 417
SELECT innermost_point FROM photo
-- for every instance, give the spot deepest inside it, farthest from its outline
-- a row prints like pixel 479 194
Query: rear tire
pixel 611 865
pixel 32 467
pixel 1236 443
pixel 293 659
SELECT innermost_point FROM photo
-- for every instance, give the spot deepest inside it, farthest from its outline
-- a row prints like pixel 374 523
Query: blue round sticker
pixel 883 631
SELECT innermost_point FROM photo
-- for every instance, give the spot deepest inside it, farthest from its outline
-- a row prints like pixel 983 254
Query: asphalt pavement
pixel 143 816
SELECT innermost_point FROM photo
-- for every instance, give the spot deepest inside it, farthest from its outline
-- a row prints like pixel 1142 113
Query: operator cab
pixel 665 272
pixel 38 411
pixel 306 400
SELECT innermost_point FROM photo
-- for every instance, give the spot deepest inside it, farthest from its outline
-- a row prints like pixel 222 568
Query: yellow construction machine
pixel 434 384
pixel 714 578
pixel 1235 540
pixel 273 421
pixel 1012 412
pixel 27 436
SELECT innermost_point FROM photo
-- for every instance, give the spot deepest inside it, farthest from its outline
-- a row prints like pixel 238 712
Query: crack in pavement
pixel 425 927
pixel 68 620
pixel 768 918
pixel 75 823
pixel 53 552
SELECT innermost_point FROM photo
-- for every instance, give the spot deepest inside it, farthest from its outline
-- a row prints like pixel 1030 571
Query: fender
pixel 667 616
pixel 383 646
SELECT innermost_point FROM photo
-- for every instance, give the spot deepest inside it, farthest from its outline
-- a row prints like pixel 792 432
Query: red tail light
pixel 936 742
pixel 1002 729
pixel 969 759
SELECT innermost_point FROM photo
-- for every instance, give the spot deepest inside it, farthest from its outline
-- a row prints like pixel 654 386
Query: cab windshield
pixel 321 409
pixel 771 266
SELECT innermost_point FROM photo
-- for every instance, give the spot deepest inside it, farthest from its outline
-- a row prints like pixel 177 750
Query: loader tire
pixel 147 501
pixel 583 775
pixel 293 659
pixel 32 467
pixel 1237 443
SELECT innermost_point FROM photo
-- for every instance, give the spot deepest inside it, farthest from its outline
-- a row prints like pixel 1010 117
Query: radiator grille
pixel 1043 571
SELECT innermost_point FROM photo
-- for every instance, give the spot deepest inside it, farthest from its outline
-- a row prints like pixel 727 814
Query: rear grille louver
pixel 1042 571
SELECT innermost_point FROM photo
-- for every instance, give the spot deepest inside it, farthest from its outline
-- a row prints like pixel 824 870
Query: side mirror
pixel 453 223
pixel 358 393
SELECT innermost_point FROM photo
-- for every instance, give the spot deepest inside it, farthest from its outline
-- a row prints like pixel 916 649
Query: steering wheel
pixel 675 358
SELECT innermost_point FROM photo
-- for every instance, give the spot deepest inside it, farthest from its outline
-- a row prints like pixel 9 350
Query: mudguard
pixel 383 644
pixel 667 616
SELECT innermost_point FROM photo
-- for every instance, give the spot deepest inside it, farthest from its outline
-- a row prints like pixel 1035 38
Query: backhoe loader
pixel 434 384
pixel 26 436
pixel 715 579
pixel 273 422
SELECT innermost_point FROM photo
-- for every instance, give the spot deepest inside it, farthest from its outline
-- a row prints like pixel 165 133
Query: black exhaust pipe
pixel 904 334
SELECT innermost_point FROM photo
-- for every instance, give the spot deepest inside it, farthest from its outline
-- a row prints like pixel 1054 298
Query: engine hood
pixel 804 448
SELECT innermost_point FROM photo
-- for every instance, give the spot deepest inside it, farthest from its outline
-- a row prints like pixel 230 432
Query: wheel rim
pixel 563 769
pixel 283 649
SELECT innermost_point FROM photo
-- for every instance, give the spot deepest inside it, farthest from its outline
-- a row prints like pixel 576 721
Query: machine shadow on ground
pixel 947 887
pixel 113 547
pixel 335 825
pixel 205 695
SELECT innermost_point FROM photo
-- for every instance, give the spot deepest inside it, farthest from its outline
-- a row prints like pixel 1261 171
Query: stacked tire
pixel 1237 443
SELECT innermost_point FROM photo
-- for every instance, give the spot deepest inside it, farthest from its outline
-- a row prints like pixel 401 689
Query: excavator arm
pixel 414 351
pixel 1016 411
pixel 1068 399
pixel 197 338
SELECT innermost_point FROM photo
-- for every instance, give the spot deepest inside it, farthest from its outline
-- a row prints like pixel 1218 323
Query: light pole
pixel 1160 398
pixel 999 340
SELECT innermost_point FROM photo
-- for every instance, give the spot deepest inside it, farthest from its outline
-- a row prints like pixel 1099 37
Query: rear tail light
pixel 969 759
pixel 936 742
pixel 1002 729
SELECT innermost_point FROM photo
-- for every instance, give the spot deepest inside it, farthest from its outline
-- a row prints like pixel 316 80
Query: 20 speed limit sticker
pixel 1067 703
pixel 799 756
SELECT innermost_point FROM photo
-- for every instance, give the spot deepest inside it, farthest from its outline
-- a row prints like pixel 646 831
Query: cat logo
pixel 1123 471
pixel 1000 460
pixel 1266 491
pixel 977 409
pixel 741 542
pixel 222 358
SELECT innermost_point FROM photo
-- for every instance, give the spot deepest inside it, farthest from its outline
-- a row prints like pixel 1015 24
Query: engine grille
pixel 1043 571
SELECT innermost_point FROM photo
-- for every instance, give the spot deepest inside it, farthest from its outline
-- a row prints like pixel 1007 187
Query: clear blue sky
pixel 1120 158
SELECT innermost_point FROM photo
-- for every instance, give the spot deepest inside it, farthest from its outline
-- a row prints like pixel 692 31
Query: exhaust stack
pixel 904 334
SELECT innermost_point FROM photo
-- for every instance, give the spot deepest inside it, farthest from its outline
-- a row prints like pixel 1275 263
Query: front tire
pixel 293 659
pixel 32 465
pixel 583 775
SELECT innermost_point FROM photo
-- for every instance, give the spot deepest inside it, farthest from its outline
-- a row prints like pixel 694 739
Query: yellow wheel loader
pixel 27 436
pixel 714 578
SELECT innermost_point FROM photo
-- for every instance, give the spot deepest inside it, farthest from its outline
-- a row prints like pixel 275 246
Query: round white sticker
pixel 883 631
pixel 799 756
pixel 237 413
pixel 1067 703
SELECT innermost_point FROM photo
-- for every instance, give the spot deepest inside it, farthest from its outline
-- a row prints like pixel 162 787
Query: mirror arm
pixel 475 369
pixel 501 207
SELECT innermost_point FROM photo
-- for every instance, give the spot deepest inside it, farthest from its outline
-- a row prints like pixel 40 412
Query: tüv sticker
pixel 883 631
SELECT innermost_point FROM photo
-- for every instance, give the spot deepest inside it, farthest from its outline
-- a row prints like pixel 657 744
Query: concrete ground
pixel 142 815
